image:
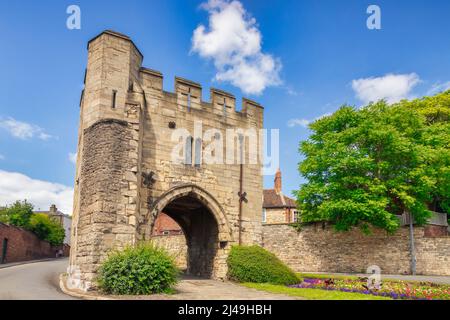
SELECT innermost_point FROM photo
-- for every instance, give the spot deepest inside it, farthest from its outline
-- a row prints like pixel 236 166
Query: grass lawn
pixel 341 277
pixel 312 294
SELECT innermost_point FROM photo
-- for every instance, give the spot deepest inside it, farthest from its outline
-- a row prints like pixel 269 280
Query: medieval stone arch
pixel 203 196
pixel 204 223
pixel 127 122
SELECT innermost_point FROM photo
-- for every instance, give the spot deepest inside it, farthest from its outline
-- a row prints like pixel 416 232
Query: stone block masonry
pixel 176 246
pixel 125 176
pixel 321 249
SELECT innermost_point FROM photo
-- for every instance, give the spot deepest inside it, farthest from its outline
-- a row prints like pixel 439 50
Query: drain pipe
pixel 240 203
pixel 242 195
pixel 411 244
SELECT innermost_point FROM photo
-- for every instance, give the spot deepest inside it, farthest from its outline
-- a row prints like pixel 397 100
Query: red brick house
pixel 166 226
pixel 278 208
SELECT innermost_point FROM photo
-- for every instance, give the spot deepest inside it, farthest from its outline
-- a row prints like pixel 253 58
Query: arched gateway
pixel 130 131
pixel 204 224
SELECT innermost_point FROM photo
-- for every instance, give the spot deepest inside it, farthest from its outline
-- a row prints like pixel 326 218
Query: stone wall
pixel 23 245
pixel 103 220
pixel 176 246
pixel 275 215
pixel 320 249
pixel 125 173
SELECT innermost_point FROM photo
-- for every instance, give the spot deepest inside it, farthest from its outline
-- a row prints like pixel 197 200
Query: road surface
pixel 39 280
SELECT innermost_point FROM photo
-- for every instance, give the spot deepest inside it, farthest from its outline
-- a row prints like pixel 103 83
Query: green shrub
pixel 47 229
pixel 144 269
pixel 255 264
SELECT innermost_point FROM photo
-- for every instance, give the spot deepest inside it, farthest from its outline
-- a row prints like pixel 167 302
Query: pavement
pixel 193 288
pixel 33 281
pixel 189 288
pixel 40 280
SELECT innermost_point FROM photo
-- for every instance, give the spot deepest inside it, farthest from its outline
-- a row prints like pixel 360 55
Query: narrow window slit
pixel 189 99
pixel 114 97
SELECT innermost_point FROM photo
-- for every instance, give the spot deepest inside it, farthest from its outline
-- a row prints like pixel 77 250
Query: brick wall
pixel 165 225
pixel 24 245
pixel 321 249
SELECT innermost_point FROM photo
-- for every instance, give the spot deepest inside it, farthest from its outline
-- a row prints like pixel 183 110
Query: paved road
pixel 39 280
pixel 193 288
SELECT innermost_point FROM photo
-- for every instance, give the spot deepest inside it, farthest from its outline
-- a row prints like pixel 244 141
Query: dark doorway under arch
pixel 200 230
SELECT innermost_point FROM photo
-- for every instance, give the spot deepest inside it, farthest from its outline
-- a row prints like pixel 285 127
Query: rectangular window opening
pixel 114 97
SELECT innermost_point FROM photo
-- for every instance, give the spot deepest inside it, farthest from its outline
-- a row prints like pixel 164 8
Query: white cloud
pixel 298 122
pixel 391 87
pixel 23 130
pixel 305 122
pixel 73 157
pixel 438 87
pixel 292 92
pixel 233 42
pixel 2 157
pixel 16 186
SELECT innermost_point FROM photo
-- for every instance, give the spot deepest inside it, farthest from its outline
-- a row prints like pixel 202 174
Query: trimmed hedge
pixel 257 265
pixel 144 269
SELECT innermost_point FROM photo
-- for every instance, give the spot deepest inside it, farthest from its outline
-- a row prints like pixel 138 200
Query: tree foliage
pixel 364 166
pixel 17 214
pixel 47 229
pixel 21 214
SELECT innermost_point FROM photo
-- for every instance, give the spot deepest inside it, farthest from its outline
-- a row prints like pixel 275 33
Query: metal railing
pixel 437 219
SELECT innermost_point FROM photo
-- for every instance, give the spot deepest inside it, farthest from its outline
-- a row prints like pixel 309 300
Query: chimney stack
pixel 277 181
pixel 53 209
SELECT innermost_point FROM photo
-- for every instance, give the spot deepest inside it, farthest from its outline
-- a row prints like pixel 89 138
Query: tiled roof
pixel 272 199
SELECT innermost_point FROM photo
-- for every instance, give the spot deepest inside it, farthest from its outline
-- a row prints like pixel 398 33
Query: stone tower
pixel 126 174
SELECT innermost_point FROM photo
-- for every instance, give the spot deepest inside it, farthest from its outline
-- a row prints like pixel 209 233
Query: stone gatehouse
pixel 126 176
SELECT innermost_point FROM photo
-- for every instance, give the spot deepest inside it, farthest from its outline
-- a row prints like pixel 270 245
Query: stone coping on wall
pixel 316 248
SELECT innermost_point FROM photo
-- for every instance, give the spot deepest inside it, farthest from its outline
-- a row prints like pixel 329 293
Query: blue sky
pixel 328 57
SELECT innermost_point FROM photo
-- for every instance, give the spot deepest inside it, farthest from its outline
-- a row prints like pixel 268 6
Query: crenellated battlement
pixel 131 137
pixel 189 94
pixel 121 63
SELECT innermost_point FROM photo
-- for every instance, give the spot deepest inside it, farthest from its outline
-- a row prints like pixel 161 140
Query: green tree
pixel 21 214
pixel 17 214
pixel 436 141
pixel 364 166
pixel 47 229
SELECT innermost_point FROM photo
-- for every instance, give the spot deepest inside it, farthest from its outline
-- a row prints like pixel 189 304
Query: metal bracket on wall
pixel 242 197
pixel 148 179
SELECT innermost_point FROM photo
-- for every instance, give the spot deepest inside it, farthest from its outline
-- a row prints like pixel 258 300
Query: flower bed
pixel 392 289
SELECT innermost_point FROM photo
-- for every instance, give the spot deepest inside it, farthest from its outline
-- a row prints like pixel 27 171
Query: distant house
pixel 165 226
pixel 278 208
pixel 64 220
